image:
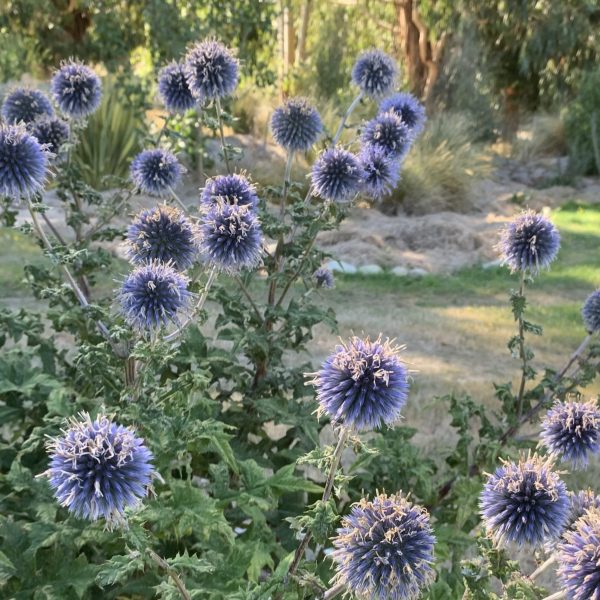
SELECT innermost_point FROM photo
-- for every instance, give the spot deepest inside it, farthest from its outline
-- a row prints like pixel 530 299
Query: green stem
pixel 335 461
pixel 336 590
pixel 522 351
pixel 163 564
pixel 163 129
pixel 223 145
pixel 340 129
pixel 557 596
pixel 543 567
pixel 178 200
pixel 249 298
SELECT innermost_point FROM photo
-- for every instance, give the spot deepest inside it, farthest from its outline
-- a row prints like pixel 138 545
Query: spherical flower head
pixel 408 108
pixel 323 278
pixel 581 502
pixel 579 558
pixel 231 237
pixel 571 432
pixel 525 502
pixel 337 175
pixel 153 295
pixel 211 70
pixel 174 89
pixel 76 89
pixel 388 132
pixel 50 131
pixel 375 73
pixel 24 105
pixel 98 469
pixel 384 549
pixel 591 312
pixel 23 163
pixel 155 172
pixel 363 384
pixel 233 189
pixel 164 234
pixel 529 243
pixel 381 172
pixel 296 125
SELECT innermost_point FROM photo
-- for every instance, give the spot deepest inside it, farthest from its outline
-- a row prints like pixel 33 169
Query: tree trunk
pixel 304 22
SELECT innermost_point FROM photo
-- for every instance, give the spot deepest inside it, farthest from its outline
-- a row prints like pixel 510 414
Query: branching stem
pixel 163 564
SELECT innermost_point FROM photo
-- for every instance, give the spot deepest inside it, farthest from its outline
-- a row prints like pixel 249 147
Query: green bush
pixel 584 150
pixel 111 138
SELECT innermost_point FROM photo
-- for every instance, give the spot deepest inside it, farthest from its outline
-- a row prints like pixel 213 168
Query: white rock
pixel 400 271
pixel 341 267
pixel 492 264
pixel 370 269
pixel 417 272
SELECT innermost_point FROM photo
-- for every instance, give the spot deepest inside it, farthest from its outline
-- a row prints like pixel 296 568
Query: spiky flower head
pixel 98 469
pixel 211 70
pixel 165 234
pixel 375 73
pixel 174 89
pixel 381 172
pixel 525 502
pixel 76 89
pixel 231 237
pixel 363 384
pixel 323 278
pixel 50 131
pixel 571 432
pixel 579 558
pixel 581 502
pixel 591 312
pixel 233 189
pixel 24 105
pixel 388 132
pixel 384 549
pixel 153 295
pixel 530 242
pixel 296 125
pixel 337 175
pixel 155 171
pixel 23 163
pixel 408 108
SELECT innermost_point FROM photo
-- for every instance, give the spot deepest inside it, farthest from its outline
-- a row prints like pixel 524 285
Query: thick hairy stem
pixel 335 461
pixel 556 596
pixel 297 272
pixel 212 274
pixel 543 567
pixel 336 590
pixel 53 229
pixel 163 564
pixel 522 351
pixel 81 297
pixel 223 145
pixel 130 371
pixel 340 129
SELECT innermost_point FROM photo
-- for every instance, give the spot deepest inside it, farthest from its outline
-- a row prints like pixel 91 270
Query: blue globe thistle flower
pixel 579 557
pixel 231 237
pixel 591 312
pixel 408 108
pixel 581 502
pixel 375 73
pixel 211 70
pixel 174 89
pixel 155 171
pixel 384 549
pixel 363 384
pixel 388 132
pixel 76 89
pixel 165 234
pixel 571 432
pixel 98 469
pixel 233 189
pixel 323 278
pixel 337 175
pixel 153 295
pixel 529 243
pixel 525 502
pixel 23 163
pixel 381 172
pixel 50 131
pixel 24 105
pixel 296 125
